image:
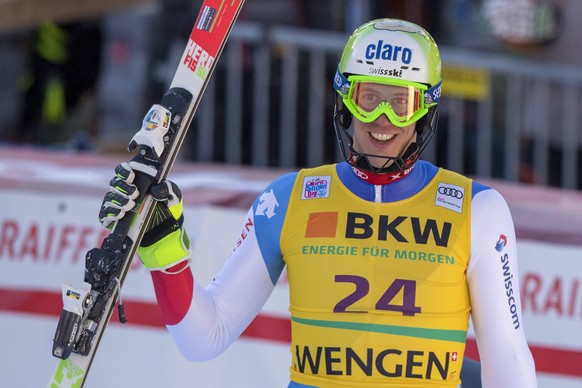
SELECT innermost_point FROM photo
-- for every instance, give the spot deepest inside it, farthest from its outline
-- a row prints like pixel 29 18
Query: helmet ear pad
pixel 344 117
pixel 426 127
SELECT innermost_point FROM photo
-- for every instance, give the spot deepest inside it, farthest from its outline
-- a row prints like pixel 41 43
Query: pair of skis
pixel 88 309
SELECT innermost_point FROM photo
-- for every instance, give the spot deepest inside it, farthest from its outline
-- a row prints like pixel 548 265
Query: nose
pixel 383 120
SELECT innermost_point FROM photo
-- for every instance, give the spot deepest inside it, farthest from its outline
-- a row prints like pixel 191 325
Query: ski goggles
pixel 404 102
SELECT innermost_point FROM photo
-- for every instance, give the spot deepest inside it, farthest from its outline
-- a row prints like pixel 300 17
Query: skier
pixel 387 255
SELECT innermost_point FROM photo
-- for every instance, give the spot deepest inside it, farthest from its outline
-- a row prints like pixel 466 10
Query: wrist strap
pixel 161 230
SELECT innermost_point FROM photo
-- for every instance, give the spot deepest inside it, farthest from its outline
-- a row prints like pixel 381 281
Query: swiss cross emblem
pixel 454 356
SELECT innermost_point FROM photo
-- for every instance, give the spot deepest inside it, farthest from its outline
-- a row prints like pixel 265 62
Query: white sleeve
pixel 492 275
pixel 221 311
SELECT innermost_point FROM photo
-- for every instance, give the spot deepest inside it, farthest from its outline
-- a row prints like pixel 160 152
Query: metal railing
pixel 270 103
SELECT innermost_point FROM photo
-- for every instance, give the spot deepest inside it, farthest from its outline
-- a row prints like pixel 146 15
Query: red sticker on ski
pixel 209 32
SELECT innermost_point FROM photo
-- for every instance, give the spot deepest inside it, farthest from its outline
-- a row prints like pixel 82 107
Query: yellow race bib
pixel 378 291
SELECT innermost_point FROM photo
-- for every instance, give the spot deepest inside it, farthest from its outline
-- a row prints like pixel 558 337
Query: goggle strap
pixel 341 83
pixel 433 95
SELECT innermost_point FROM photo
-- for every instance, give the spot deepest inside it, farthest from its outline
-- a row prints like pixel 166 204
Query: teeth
pixel 382 136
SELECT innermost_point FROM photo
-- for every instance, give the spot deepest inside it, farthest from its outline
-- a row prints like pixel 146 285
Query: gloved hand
pixel 165 242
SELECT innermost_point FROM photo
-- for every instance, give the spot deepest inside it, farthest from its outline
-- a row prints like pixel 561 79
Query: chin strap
pixel 383 178
pixel 398 169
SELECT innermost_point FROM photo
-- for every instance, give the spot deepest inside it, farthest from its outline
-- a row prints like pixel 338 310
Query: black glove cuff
pixel 161 230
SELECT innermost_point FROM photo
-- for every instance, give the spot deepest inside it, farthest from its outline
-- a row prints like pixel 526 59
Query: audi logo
pixel 450 192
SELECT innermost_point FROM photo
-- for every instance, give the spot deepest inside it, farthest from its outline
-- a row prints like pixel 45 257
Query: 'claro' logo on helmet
pixel 388 52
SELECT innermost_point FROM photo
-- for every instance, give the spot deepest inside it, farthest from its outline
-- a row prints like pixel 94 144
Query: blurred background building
pixel 80 76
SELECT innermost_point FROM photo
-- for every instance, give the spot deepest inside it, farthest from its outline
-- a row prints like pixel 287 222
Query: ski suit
pixel 383 280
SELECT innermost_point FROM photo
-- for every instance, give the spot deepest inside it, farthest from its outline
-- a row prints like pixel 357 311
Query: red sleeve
pixel 174 291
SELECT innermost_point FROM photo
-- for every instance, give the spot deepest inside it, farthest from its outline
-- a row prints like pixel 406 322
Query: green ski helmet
pixel 397 53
